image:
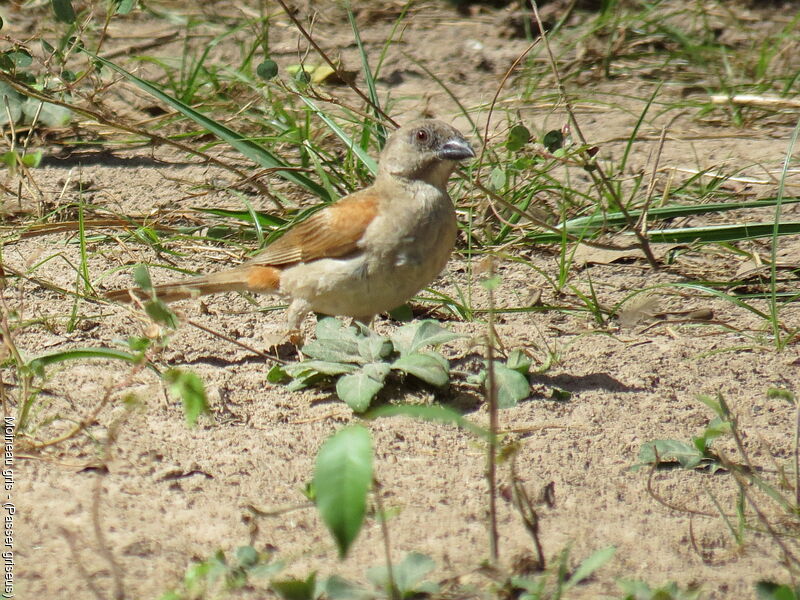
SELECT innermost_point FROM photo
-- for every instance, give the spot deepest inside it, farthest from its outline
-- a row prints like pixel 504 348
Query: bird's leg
pixel 299 309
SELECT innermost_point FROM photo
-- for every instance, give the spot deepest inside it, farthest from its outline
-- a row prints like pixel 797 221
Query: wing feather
pixel 331 232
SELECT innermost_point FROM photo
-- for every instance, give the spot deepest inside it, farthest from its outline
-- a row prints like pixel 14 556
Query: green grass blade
pixel 368 78
pixel 45 360
pixel 723 233
pixel 355 148
pixel 247 147
pixel 264 219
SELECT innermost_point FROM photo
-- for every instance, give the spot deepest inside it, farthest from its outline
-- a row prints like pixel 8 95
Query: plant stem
pixel 491 397
pixel 394 593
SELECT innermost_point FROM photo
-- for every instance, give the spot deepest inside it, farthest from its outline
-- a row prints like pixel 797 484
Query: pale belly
pixel 369 283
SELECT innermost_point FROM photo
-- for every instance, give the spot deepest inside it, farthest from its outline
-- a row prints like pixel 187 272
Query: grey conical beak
pixel 456 149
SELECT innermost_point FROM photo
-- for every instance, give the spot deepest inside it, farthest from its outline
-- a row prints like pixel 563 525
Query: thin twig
pixel 491 397
pixel 76 561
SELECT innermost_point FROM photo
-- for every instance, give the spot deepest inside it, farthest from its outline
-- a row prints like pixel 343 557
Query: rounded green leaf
pixel 267 69
pixel 188 386
pixel 358 389
pixel 512 386
pixel 518 136
pixel 342 479
pixel 19 58
pixel 430 368
pixel 553 140
pixel 63 11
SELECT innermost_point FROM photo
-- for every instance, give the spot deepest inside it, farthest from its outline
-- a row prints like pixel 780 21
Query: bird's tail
pixel 240 279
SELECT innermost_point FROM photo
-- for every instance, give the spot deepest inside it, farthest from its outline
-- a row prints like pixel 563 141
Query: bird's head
pixel 425 150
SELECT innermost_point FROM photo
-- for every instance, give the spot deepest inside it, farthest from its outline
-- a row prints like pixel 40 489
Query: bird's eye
pixel 421 135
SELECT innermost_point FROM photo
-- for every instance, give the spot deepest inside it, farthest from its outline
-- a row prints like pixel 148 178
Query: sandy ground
pixel 141 490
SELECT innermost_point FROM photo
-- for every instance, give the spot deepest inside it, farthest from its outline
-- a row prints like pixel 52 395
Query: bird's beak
pixel 456 149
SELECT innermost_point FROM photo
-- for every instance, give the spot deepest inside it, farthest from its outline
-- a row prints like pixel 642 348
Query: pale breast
pixel 400 254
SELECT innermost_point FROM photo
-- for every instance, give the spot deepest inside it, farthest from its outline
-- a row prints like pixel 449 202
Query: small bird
pixel 365 254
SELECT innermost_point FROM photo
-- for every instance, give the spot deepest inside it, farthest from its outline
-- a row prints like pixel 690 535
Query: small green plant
pixel 694 455
pixel 542 588
pixel 362 360
pixel 216 575
pixel 768 590
pixel 639 590
pixel 409 577
pixel 511 379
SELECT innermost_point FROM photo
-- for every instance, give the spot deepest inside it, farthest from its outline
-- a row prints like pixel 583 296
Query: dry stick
pixel 524 506
pixel 744 485
pixel 491 396
pixel 394 593
pixel 642 222
pixel 596 172
pixel 104 548
pixel 332 65
pixel 76 560
pixel 103 120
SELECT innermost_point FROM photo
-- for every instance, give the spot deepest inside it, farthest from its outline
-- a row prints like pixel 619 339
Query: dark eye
pixel 421 135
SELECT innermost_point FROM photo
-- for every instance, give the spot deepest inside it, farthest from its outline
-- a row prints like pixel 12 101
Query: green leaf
pixel 123 7
pixel 410 338
pixel 782 394
pixel 590 565
pixel 161 313
pixel 246 146
pixel 402 313
pixel 296 589
pixel 15 101
pixel 358 389
pixel 63 11
pixel 519 361
pixel 342 479
pixel 351 144
pixel 188 386
pixel 425 366
pixel 33 159
pixel 50 115
pixel 264 219
pixel 247 556
pixel 518 136
pixel 374 347
pixel 18 58
pixel 435 412
pixel 512 386
pixel 320 366
pixel 141 277
pixel 497 179
pixel 333 350
pixel 553 140
pixel 277 374
pixel 267 69
pixel 768 590
pixel 338 588
pixel 408 576
pixel 657 452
